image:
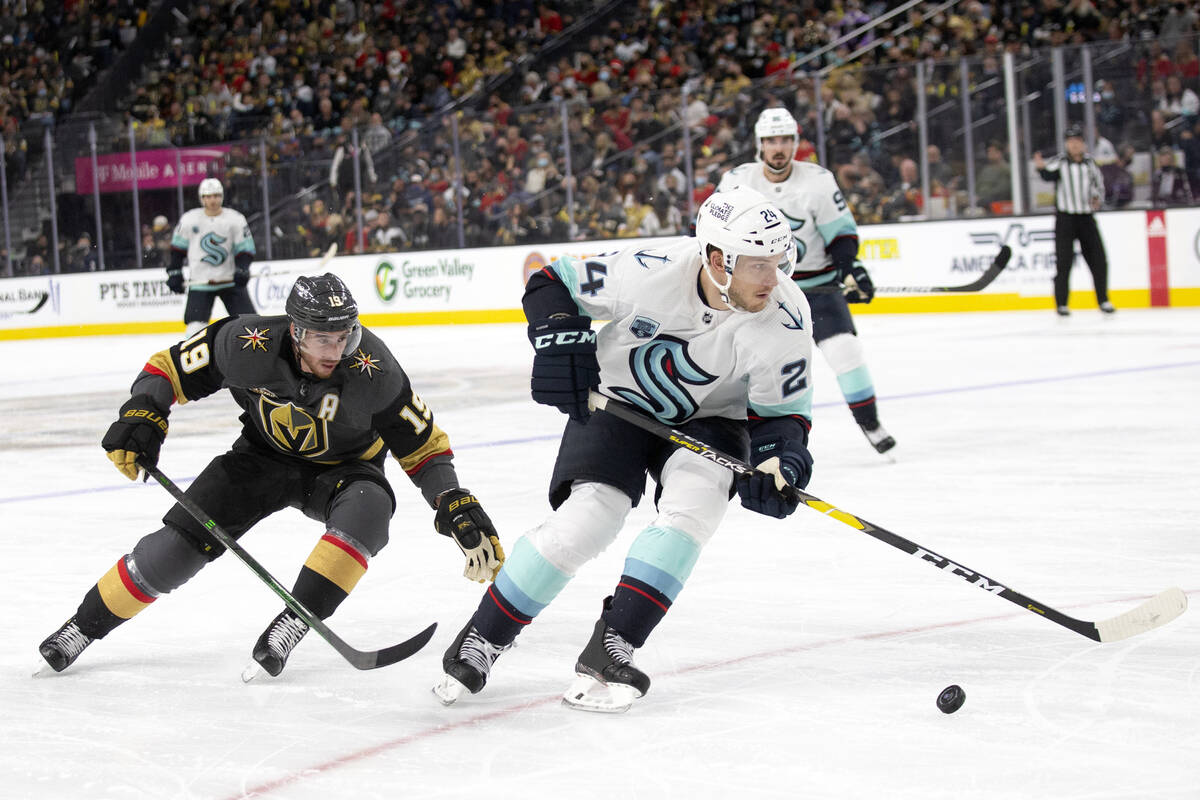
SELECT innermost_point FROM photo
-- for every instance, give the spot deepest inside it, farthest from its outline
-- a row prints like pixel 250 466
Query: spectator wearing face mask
pixel 541 172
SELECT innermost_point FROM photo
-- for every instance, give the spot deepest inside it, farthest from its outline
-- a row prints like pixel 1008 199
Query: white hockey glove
pixel 460 517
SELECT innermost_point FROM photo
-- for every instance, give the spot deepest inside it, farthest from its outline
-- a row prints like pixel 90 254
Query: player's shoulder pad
pixel 791 312
pixel 373 365
pixel 568 262
pixel 810 170
pixel 250 338
pixel 736 176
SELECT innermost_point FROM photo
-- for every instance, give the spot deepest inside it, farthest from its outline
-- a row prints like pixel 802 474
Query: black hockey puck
pixel 951 699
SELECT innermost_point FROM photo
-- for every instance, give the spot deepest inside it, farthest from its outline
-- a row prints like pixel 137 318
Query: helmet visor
pixel 328 344
pixel 756 266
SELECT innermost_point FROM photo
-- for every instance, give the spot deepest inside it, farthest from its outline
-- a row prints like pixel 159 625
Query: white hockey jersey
pixel 667 352
pixel 211 244
pixel 815 208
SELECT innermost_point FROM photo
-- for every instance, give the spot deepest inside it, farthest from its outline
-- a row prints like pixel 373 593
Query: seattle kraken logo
pixel 214 253
pixel 661 369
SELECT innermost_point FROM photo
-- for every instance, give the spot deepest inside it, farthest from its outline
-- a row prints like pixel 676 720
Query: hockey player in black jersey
pixel 323 400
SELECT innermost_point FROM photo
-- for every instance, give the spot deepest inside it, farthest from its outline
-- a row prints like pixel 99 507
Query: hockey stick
pixel 1153 613
pixel 325 259
pixel 361 659
pixel 995 268
pixel 36 307
pixel 329 254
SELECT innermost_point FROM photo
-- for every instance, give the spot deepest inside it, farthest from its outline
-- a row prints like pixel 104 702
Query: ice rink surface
pixel 803 659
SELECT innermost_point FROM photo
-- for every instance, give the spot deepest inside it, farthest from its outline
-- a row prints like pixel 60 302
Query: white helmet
pixel 741 222
pixel 211 186
pixel 775 122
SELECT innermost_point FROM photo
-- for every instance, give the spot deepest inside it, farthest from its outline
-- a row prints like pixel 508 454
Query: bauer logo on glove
pixel 460 517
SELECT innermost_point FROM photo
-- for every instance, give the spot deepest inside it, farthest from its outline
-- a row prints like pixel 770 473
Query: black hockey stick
pixel 995 268
pixel 36 307
pixel 1153 613
pixel 362 659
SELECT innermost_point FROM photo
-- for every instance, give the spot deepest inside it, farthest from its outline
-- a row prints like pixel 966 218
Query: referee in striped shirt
pixel 1077 195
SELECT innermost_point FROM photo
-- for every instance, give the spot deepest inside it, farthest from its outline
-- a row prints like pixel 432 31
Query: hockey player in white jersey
pixel 827 255
pixel 216 245
pixel 707 334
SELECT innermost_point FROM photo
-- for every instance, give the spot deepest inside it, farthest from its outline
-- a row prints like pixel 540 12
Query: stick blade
pixel 399 652
pixel 1002 258
pixel 373 659
pixel 329 254
pixel 1154 613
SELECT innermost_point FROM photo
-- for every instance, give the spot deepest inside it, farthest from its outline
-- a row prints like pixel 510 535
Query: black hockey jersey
pixel 365 405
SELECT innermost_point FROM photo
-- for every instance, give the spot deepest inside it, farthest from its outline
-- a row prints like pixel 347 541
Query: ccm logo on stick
pixel 959 570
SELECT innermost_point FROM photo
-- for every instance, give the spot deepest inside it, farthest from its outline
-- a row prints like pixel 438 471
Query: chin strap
pixel 775 171
pixel 723 290
pixel 780 171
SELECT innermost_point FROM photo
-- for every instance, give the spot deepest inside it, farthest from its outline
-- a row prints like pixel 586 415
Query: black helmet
pixel 323 304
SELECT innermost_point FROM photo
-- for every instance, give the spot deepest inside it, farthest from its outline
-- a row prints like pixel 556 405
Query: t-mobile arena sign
pixel 156 169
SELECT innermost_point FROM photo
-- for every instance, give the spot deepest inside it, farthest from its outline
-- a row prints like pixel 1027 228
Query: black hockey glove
pixel 137 434
pixel 779 465
pixel 857 284
pixel 564 364
pixel 175 280
pixel 460 517
pixel 241 275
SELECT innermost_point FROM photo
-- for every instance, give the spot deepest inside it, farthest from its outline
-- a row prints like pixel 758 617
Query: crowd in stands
pixel 50 55
pixel 306 78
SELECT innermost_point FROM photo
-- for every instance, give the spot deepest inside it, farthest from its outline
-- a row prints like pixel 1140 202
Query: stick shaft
pixel 358 658
pixel 1153 613
pixel 994 269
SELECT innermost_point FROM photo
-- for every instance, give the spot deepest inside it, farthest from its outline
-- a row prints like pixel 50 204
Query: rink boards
pixel 1154 260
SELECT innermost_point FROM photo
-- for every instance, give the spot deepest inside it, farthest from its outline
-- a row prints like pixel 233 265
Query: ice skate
pixel 61 648
pixel 272 649
pixel 880 439
pixel 467 663
pixel 606 679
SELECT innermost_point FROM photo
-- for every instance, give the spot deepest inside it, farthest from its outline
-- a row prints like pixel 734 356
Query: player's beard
pixel 747 299
pixel 320 367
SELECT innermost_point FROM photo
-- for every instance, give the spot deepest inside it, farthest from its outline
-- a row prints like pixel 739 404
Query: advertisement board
pixel 156 169
pixel 1153 256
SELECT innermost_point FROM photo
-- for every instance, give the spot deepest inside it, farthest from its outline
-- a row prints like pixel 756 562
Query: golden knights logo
pixel 293 430
pixel 366 363
pixel 255 339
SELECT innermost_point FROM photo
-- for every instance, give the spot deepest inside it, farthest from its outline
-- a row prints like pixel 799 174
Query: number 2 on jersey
pixel 794 376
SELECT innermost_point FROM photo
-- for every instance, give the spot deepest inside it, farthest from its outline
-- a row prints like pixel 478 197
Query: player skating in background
pixel 826 255
pixel 216 245
pixel 324 401
pixel 708 334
